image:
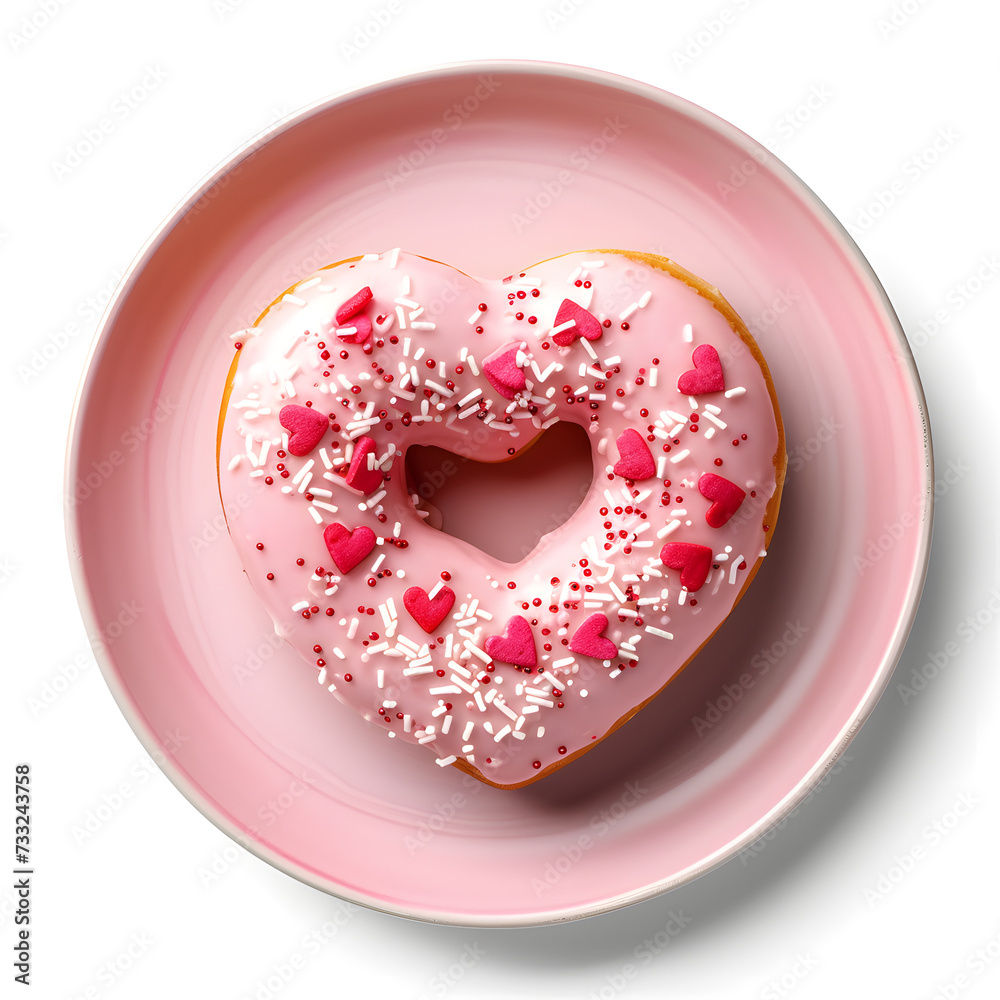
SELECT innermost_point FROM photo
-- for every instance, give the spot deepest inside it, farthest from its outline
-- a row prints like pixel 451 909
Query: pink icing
pixel 625 560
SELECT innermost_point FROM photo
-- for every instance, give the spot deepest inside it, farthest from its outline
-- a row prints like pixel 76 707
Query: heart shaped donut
pixel 505 670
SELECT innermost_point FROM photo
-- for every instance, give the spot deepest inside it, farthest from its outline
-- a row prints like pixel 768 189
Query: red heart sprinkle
pixel 586 324
pixel 727 496
pixel 426 611
pixel 354 305
pixel 359 475
pixel 588 640
pixel 516 645
pixel 347 548
pixel 502 371
pixel 305 427
pixel 636 460
pixel 694 562
pixel 359 330
pixel 706 376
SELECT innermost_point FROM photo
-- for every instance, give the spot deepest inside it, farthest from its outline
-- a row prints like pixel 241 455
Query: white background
pixel 882 884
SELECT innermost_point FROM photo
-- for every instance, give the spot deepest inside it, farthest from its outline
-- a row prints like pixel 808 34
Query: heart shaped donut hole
pixel 499 516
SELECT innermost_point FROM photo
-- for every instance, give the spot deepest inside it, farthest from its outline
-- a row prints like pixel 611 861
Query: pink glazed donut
pixel 507 671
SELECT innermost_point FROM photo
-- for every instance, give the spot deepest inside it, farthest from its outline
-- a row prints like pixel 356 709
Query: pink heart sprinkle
pixel 727 496
pixel 588 640
pixel 636 460
pixel 502 371
pixel 585 324
pixel 359 330
pixel 359 476
pixel 694 562
pixel 347 548
pixel 516 645
pixel 354 304
pixel 305 427
pixel 428 612
pixel 706 376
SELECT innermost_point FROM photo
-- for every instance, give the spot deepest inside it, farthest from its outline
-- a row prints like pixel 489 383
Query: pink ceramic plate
pixel 492 167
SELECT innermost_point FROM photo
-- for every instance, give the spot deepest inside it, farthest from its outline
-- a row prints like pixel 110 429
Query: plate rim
pixel 834 229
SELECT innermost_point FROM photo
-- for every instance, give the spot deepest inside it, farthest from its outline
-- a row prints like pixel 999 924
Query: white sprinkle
pixel 576 274
pixel 467 732
pixel 293 299
pixel 659 631
pixel 234 462
pixel 352 630
pixel 588 348
pixel 503 732
pixel 301 606
pixel 715 420
pixel 423 325
pixel 445 761
pixel 688 333
pixel 628 310
pixel 565 662
pixel 735 391
pixel 668 528
pixel 710 433
pixel 446 725
pixel 446 689
pixel 316 515
pixel 644 299
pixel 680 456
pixel 393 257
pixel 372 501
pixel 568 325
pixel 735 568
pixel 407 723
